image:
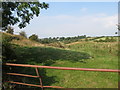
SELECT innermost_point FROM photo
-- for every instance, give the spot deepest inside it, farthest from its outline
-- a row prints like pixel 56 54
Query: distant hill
pixel 59 42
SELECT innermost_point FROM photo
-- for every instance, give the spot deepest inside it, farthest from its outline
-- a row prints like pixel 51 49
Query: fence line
pixel 51 67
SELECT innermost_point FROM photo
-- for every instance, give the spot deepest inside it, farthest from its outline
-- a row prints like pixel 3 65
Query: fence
pixel 50 67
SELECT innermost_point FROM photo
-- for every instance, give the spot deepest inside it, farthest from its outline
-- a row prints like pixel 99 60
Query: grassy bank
pixel 83 54
pixel 99 55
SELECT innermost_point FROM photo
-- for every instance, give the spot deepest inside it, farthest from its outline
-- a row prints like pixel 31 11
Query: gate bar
pixel 34 85
pixel 64 68
pixel 22 75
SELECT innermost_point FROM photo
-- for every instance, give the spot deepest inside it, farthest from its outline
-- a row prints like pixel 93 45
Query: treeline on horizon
pixel 65 40
pixel 61 39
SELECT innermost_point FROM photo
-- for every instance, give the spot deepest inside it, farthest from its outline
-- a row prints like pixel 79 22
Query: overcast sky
pixel 75 18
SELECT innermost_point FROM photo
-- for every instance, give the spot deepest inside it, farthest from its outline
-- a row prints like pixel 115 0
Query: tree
pixel 20 13
pixel 10 30
pixel 22 33
pixel 34 37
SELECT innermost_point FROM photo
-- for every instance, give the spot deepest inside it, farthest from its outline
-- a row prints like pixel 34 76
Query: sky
pixel 73 19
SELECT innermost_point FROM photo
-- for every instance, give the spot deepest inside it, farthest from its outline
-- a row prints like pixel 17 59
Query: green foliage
pixel 16 13
pixel 34 37
pixel 8 55
pixel 10 30
pixel 22 33
pixel 65 40
pixel 7 48
pixel 20 13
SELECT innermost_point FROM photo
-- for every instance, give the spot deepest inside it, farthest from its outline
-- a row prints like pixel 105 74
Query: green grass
pixel 46 55
pixel 81 55
pixel 103 54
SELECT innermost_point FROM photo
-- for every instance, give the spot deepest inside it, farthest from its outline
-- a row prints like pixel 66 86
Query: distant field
pixel 100 38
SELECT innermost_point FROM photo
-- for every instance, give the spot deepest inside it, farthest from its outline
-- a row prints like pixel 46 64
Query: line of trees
pixel 62 39
pixel 65 40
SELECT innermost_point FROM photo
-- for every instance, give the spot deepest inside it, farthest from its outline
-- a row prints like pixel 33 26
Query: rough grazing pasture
pixel 81 55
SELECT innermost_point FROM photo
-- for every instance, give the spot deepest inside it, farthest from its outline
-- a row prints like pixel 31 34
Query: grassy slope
pixel 19 40
pixel 26 42
pixel 104 55
pixel 102 58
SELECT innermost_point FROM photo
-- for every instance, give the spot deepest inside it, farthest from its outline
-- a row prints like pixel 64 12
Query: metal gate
pixel 51 67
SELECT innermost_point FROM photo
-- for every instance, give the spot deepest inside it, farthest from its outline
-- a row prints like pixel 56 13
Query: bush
pixel 10 30
pixel 8 55
pixel 57 44
pixel 34 37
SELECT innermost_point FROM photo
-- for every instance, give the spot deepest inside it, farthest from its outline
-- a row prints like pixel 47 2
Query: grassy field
pixel 81 55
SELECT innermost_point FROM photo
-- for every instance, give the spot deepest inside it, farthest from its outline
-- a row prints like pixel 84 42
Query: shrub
pixel 8 55
pixel 34 37
pixel 10 30
pixel 57 44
